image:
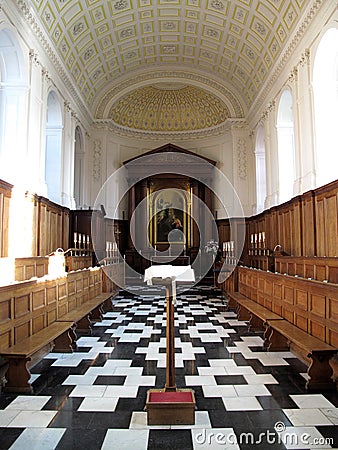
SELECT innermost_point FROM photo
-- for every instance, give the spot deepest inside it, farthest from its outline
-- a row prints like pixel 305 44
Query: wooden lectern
pixel 164 407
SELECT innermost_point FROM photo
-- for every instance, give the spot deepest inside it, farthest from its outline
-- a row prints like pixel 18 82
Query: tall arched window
pixel 260 169
pixel 286 148
pixel 13 109
pixel 325 81
pixel 53 148
pixel 79 168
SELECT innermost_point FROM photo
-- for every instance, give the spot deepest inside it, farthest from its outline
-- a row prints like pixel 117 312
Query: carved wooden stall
pixel 5 198
pixel 50 226
pixel 304 226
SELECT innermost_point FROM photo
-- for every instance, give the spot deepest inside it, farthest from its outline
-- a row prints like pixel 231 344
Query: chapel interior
pixel 140 140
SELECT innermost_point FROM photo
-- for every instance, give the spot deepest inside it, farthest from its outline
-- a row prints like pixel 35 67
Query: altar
pixel 170 406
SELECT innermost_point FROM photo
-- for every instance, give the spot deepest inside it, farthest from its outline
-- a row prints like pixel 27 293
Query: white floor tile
pixel 38 439
pixel 29 402
pixel 139 422
pixel 211 370
pixel 135 380
pixel 331 414
pixel 242 404
pixel 32 419
pixel 311 401
pixel 88 391
pixel 80 379
pixel 7 415
pixel 198 380
pixel 251 390
pixel 260 379
pixel 306 417
pixel 107 404
pixel 121 391
pixel 219 391
pixel 126 439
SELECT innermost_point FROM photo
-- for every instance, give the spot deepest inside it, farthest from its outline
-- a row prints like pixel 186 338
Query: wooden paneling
pixel 26 268
pixel 28 307
pixel 310 305
pixel 307 225
pixel 5 197
pixel 326 210
pixel 52 226
pixel 317 268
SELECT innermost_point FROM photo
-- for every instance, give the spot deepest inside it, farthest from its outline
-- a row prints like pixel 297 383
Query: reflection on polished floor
pixel 95 397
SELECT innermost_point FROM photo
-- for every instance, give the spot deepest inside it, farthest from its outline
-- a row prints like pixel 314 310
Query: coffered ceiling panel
pixel 105 42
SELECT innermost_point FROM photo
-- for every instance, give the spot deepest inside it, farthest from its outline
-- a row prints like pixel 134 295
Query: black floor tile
pixel 170 439
pixel 79 439
pixel 8 437
pixel 72 419
pixel 330 434
pixel 230 379
pixel 110 380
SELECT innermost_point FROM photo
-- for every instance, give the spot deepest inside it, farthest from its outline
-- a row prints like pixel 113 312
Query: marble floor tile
pixel 126 439
pixel 38 439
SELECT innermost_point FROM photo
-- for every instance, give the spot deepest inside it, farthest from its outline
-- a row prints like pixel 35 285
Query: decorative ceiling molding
pixel 169 108
pixel 154 75
pixel 169 136
pixel 287 53
pixel 235 49
pixel 44 39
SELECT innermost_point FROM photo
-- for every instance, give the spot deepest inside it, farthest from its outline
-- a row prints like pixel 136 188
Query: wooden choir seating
pixel 295 313
pixel 41 314
pixel 78 262
pixel 318 268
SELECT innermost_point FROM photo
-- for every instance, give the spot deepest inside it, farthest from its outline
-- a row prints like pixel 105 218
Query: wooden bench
pixel 27 352
pixel 88 312
pixel 283 335
pixel 256 314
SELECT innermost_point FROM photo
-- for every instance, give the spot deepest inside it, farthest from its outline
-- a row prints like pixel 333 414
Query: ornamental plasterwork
pixel 167 136
pixel 238 42
pixel 242 159
pixel 223 92
pixel 161 108
pixel 97 160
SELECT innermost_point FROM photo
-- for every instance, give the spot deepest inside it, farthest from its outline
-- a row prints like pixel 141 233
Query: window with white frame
pixel 325 84
pixel 286 148
pixel 53 148
pixel 13 109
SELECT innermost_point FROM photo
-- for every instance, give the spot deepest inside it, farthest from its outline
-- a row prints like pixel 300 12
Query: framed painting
pixel 170 216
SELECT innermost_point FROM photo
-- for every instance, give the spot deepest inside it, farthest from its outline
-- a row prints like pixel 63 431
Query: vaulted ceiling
pixel 118 52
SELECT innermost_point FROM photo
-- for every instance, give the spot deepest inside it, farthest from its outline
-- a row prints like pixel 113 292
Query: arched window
pixel 325 82
pixel 13 109
pixel 286 149
pixel 260 169
pixel 79 168
pixel 53 148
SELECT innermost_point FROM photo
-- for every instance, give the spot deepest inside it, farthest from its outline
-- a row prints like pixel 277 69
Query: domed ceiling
pixel 167 107
pixel 98 45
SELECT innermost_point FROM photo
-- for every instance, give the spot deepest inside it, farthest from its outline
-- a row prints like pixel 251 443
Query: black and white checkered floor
pixel 95 398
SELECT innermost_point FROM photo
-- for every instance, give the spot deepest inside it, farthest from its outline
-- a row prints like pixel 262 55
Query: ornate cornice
pixel 151 76
pixel 182 135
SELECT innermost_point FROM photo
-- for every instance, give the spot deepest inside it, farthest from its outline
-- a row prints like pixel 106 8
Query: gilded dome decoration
pixel 169 107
